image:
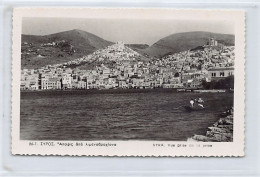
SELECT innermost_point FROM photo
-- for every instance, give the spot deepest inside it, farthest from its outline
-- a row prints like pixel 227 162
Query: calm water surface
pixel 84 115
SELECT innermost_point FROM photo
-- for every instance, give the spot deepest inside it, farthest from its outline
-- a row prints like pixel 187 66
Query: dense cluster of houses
pixel 184 69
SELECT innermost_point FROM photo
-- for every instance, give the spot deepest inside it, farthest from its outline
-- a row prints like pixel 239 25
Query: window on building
pixel 221 74
pixel 213 74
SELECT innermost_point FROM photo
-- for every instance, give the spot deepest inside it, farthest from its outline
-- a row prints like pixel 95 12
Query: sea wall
pixel 221 131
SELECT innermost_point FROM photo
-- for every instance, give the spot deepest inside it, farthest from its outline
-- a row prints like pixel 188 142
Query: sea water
pixel 117 115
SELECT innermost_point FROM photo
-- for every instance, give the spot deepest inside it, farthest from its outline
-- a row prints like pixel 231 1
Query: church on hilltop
pixel 212 42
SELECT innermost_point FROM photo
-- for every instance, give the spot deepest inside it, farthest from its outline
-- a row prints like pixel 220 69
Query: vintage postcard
pixel 128 82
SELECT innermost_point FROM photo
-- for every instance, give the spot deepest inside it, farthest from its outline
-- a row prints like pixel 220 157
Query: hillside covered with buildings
pixel 117 66
pixel 180 42
pixel 39 51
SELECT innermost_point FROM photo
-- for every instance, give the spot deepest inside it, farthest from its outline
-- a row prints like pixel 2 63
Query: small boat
pixel 195 108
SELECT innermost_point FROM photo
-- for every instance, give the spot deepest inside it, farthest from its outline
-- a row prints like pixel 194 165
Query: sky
pixel 129 31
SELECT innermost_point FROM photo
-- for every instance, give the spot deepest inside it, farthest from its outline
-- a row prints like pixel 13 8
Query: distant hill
pixel 185 41
pixel 38 51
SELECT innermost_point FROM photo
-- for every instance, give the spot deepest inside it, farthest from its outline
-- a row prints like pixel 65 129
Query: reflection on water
pixel 81 115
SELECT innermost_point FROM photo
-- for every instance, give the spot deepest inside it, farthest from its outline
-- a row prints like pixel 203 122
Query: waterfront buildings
pixel 118 66
pixel 220 73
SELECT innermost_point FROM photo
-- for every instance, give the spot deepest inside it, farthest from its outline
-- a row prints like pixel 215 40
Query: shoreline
pixel 220 131
pixel 177 90
pixel 101 91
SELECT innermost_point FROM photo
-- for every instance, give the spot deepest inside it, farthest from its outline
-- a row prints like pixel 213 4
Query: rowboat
pixel 194 108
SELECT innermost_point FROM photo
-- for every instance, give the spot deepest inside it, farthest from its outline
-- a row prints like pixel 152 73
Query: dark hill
pixel 82 40
pixel 185 41
pixel 38 51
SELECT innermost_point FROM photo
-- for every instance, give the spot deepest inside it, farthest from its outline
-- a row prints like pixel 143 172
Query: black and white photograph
pixel 85 79
pixel 127 79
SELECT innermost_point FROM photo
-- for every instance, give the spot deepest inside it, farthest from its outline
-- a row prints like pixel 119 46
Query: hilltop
pixel 185 41
pixel 109 56
pixel 38 51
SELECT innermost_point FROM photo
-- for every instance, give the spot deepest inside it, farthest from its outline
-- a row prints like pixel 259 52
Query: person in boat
pixel 200 103
pixel 191 102
pixel 200 100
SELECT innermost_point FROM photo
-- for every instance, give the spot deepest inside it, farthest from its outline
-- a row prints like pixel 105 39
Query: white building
pixel 219 73
pixel 66 81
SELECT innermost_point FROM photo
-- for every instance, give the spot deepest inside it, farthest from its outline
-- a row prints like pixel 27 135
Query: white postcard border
pixel 132 148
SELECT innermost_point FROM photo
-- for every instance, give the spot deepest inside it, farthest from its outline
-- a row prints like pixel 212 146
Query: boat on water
pixel 194 108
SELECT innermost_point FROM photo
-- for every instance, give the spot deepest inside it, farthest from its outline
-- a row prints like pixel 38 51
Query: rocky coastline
pixel 221 131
